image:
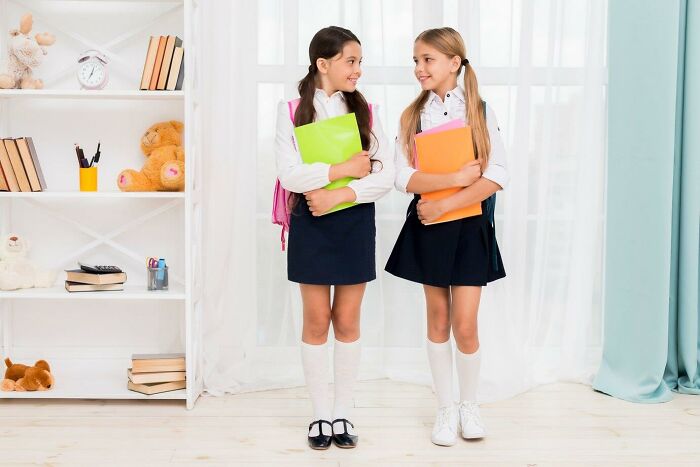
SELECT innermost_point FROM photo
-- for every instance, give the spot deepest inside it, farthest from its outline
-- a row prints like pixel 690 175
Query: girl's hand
pixel 357 166
pixel 430 211
pixel 469 173
pixel 321 201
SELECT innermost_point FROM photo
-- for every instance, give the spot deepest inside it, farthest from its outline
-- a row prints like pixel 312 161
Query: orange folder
pixel 444 152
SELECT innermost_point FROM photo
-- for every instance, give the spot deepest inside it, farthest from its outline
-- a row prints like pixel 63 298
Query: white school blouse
pixel 436 112
pixel 298 177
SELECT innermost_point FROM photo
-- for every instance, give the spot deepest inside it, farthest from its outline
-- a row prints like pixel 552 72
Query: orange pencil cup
pixel 88 179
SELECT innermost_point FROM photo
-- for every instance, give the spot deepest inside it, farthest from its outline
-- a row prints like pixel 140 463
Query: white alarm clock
pixel 92 70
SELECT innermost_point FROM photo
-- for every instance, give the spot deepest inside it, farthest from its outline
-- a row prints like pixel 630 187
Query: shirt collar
pixel 321 94
pixel 456 92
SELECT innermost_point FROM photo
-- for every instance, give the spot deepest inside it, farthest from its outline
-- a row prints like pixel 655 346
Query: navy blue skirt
pixel 334 249
pixel 461 252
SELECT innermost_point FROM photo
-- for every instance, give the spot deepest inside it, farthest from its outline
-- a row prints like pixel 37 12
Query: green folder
pixel 331 141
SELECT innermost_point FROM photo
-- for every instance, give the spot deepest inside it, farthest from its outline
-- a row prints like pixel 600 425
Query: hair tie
pixel 465 62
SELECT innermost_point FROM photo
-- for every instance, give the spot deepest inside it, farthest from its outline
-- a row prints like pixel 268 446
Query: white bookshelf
pixel 81 94
pixel 91 333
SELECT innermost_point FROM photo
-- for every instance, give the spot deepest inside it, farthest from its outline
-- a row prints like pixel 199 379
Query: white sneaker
pixel 469 418
pixel 446 426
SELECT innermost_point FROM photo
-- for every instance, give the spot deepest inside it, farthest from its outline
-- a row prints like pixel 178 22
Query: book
pixel 17 165
pixel 3 183
pixel 7 169
pixel 451 125
pixel 28 162
pixel 331 141
pixel 176 70
pixel 444 152
pixel 79 287
pixel 4 186
pixel 35 159
pixel 82 277
pixel 149 63
pixel 173 41
pixel 159 61
pixel 156 388
pixel 154 363
pixel 158 377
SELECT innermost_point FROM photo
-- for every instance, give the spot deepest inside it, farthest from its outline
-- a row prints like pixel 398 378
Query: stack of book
pixel 19 166
pixel 78 280
pixel 164 69
pixel 156 373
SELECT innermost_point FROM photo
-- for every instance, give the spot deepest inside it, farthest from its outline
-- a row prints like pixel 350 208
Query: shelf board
pixel 83 94
pixel 94 194
pixel 107 380
pixel 130 292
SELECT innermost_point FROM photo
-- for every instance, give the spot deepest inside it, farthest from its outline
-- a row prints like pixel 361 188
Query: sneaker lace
pixel 443 418
pixel 470 411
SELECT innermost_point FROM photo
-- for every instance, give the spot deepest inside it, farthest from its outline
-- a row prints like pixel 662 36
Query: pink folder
pixel 451 125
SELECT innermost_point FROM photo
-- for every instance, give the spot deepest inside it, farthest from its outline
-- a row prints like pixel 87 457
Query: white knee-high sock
pixel 346 362
pixel 468 366
pixel 314 359
pixel 440 358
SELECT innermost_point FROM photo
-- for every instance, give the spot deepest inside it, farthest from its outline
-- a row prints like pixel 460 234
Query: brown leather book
pixel 17 165
pixel 159 62
pixel 28 162
pixel 6 167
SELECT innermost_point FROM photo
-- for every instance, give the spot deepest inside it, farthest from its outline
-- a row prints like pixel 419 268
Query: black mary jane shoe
pixel 320 441
pixel 344 439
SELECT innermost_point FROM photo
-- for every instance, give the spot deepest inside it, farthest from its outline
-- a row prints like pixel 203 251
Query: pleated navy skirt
pixel 334 249
pixel 461 252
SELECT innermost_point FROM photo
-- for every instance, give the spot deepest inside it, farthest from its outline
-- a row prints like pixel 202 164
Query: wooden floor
pixel 557 425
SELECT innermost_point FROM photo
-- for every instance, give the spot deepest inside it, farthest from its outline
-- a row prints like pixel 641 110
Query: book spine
pixel 17 165
pixel 167 60
pixel 149 62
pixel 159 61
pixel 181 75
pixel 37 165
pixel 7 169
pixel 28 162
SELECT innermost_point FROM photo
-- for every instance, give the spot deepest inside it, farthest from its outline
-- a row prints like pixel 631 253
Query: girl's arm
pixel 421 182
pixel 298 177
pixel 410 180
pixel 428 211
pixel 494 179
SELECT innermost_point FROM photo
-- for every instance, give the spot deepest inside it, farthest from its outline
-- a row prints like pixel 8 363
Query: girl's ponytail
pixel 408 124
pixel 476 116
pixel 307 88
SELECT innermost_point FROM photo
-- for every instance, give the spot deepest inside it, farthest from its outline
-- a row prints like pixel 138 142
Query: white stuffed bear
pixel 25 53
pixel 18 272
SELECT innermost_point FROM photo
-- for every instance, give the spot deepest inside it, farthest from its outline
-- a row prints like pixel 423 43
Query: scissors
pixel 153 263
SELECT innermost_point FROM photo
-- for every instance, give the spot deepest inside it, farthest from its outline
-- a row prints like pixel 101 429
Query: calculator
pixel 99 269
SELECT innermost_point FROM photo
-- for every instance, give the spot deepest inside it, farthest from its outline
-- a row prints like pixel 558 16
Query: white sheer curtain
pixel 541 65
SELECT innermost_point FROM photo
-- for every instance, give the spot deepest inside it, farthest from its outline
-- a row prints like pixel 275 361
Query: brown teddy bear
pixel 20 377
pixel 164 169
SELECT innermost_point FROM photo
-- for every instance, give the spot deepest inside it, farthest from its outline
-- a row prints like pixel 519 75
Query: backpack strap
pixel 491 215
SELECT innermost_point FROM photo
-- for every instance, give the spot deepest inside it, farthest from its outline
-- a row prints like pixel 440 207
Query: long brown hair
pixel 449 42
pixel 327 43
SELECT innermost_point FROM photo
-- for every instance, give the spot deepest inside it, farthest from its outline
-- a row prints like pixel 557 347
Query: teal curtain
pixel 651 326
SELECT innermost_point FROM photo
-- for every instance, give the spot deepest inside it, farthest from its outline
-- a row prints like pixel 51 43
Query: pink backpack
pixel 281 211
